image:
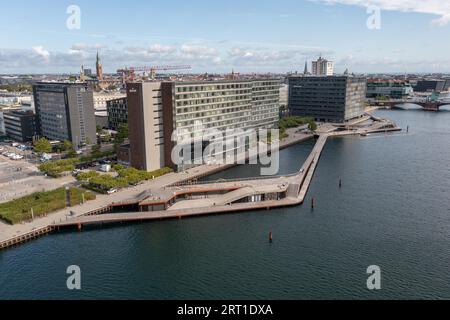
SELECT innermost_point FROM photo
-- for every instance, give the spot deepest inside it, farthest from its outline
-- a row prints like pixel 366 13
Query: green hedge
pixel 57 168
pixel 126 177
pixel 293 122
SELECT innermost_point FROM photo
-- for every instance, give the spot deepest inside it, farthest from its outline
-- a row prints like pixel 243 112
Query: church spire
pixel 99 68
pixel 306 68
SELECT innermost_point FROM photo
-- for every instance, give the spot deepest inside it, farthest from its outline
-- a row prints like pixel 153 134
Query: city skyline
pixel 217 37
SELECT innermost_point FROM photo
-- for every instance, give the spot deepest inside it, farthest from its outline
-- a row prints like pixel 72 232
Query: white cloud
pixel 440 8
pixel 159 48
pixel 87 47
pixel 40 51
pixel 198 51
pixel 203 58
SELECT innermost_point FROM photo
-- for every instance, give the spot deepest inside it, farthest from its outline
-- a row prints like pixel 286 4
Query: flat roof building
pixel 117 113
pixel 322 67
pixel 430 86
pixel 389 88
pixel 327 99
pixel 65 111
pixel 156 110
pixel 20 125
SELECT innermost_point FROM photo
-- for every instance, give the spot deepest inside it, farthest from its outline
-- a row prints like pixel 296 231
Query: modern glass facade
pixel 394 90
pixel 65 111
pixel 327 99
pixel 117 113
pixel 20 125
pixel 225 105
pixel 156 110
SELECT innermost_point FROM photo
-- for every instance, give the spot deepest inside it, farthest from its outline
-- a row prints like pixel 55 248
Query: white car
pixel 112 191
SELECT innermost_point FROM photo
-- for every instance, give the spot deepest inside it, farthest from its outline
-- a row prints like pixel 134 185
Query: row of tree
pixel 43 145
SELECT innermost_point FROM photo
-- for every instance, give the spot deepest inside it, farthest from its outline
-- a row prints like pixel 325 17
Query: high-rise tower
pixel 322 67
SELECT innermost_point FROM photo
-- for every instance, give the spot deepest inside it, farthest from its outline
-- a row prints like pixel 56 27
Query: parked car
pixel 111 191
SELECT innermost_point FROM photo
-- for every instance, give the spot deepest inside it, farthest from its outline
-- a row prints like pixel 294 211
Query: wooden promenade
pixel 295 187
pixel 302 179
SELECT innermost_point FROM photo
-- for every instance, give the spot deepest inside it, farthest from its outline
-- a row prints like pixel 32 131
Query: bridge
pixel 426 104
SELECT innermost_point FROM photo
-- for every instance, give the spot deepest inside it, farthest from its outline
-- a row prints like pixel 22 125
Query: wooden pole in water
pixel 340 183
pixel 312 203
pixel 270 237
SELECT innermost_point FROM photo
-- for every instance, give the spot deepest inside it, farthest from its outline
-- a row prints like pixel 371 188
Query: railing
pixel 25 237
pixel 188 183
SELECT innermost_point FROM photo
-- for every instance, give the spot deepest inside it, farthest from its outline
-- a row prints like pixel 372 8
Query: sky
pixel 223 35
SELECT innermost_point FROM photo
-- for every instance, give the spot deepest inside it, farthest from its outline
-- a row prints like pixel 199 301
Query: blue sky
pixel 220 35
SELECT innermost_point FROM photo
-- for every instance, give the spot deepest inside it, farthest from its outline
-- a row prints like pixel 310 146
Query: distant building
pixel 87 72
pixel 322 67
pixel 2 123
pixel 430 86
pixel 447 85
pixel 156 110
pixel 101 100
pixel 389 88
pixel 284 95
pixel 117 113
pixel 99 68
pixel 65 111
pixel 101 119
pixel 20 125
pixel 327 99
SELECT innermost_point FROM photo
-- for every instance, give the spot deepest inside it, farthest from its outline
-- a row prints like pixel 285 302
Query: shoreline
pixel 91 211
pixel 11 235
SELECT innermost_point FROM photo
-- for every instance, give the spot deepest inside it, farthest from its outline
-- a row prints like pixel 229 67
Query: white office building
pixel 322 67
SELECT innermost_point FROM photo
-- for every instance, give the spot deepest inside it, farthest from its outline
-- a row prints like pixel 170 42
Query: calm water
pixel 393 211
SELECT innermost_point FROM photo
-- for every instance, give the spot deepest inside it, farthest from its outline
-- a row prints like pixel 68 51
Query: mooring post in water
pixel 270 237
pixel 312 203
pixel 340 183
pixel 79 227
pixel 407 129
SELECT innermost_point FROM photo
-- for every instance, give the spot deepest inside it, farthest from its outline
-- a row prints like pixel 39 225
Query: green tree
pixel 313 126
pixel 42 145
pixel 122 134
pixel 95 150
pixel 67 145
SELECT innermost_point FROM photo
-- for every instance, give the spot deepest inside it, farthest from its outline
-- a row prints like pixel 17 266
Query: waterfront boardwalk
pixel 171 186
pixel 218 205
pixel 16 233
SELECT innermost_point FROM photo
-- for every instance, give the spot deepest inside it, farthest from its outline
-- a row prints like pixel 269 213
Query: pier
pixel 179 196
pixel 224 198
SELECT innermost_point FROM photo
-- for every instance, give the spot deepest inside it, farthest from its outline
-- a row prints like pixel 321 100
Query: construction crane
pixel 131 71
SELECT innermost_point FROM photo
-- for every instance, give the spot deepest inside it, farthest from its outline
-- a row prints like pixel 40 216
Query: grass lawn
pixel 19 210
